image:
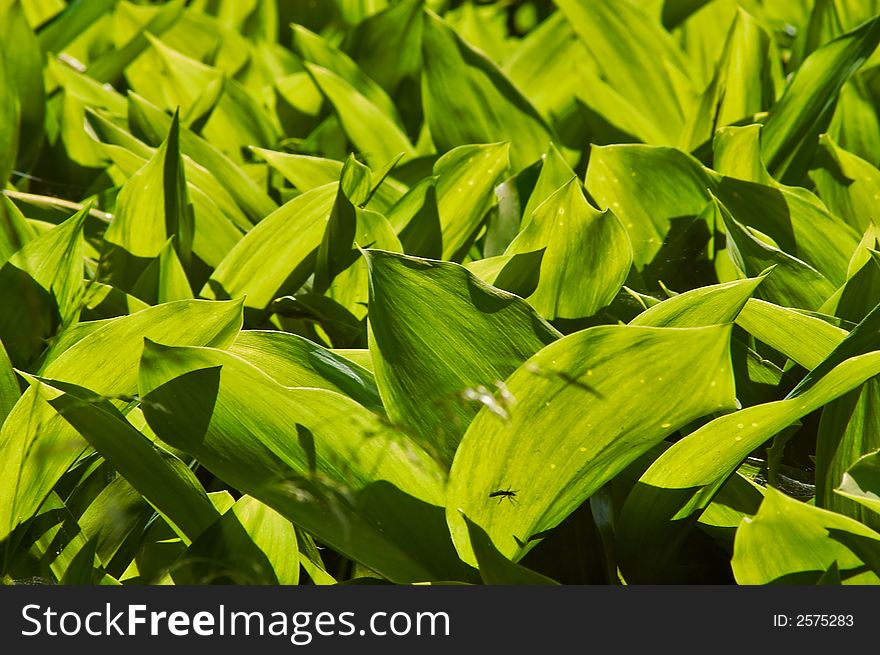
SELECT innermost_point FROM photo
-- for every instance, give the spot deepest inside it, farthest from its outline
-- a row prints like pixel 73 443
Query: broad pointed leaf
pixel 437 335
pixel 577 418
pixel 315 456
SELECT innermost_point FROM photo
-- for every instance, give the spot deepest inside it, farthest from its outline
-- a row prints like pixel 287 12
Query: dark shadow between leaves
pixel 484 299
pixel 865 548
pixel 218 290
pixel 120 269
pixel 224 554
pixel 824 161
pixel 183 407
pixel 799 578
pixel 422 236
pixel 28 316
pixel 307 442
pixel 379 525
pixel 600 131
pixel 343 327
pixel 522 273
pixel 663 552
pixel 431 535
pixel 682 262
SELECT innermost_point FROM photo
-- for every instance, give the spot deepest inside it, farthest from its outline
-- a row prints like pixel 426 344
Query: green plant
pixel 515 292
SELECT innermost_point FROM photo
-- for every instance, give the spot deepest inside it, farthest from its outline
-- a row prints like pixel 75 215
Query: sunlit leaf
pixel 40 445
pixel 788 542
pixel 468 100
pixel 437 362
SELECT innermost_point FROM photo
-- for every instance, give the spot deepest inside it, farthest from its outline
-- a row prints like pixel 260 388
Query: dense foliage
pixel 582 291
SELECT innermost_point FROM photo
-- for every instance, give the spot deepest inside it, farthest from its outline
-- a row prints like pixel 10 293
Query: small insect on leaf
pixel 501 494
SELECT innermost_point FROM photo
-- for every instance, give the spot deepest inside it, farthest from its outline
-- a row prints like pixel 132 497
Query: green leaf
pixel 791 283
pixel 788 542
pixel 181 78
pixel 42 285
pixel 483 26
pixel 637 57
pixel 387 45
pixel 306 172
pixel 831 577
pixel 316 50
pixel 340 271
pixel 861 482
pixel 741 86
pixel 555 173
pixel 805 109
pixel 218 107
pixel 350 288
pixel 495 568
pixel 646 187
pixel 466 179
pixel 865 548
pixel 21 54
pixel 684 479
pixel 713 305
pixel 737 153
pixel 10 115
pixel 203 186
pixel 113 521
pixel 416 219
pixel 796 221
pixel 677 11
pixel 315 456
pixel 440 338
pixel 849 426
pixel 791 217
pixel 111 64
pixel 40 446
pixel 849 185
pixel 302 171
pixel 587 256
pixel 76 562
pixel 250 544
pixel 360 356
pixel 9 390
pixel 375 135
pixel 468 100
pixel 441 215
pixel 311 561
pixel 804 339
pixel 856 126
pixel 586 416
pixel 153 205
pixel 154 124
pixel 862 339
pixel 518 273
pixel 15 231
pixel 70 23
pixel 164 279
pixel 214 231
pixel 339 325
pixel 609 116
pixel 276 254
pixel 294 361
pixel 159 476
pixel 856 298
pixel 54 260
pixel 544 66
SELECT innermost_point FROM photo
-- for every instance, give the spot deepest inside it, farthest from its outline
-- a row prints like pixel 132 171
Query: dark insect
pixel 501 494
